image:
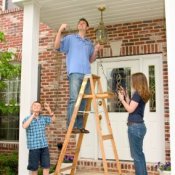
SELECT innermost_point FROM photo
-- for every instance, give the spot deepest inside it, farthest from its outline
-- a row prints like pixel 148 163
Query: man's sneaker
pixel 76 131
pixel 83 130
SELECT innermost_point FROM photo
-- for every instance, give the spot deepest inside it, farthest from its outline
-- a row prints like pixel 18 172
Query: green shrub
pixel 9 163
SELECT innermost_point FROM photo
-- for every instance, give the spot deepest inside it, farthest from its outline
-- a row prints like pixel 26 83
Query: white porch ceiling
pixel 56 12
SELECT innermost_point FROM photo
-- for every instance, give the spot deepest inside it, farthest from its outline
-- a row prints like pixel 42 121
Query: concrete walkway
pixel 87 173
pixel 99 173
pixel 93 173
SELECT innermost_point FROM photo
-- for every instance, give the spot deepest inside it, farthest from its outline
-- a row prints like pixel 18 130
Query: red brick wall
pixel 1 5
pixel 142 37
pixel 8 147
pixel 11 25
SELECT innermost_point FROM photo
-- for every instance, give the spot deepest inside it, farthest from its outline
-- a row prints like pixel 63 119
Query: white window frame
pixel 8 92
pixel 4 5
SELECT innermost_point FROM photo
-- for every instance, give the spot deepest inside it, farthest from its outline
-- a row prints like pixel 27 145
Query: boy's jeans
pixel 75 81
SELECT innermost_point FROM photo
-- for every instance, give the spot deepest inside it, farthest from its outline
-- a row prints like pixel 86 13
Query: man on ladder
pixel 80 52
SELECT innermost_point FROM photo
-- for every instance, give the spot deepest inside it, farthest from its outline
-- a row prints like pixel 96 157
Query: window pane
pixel 4 97
pixel 9 128
pixel 13 134
pixel 152 104
pixel 18 99
pixel 11 86
pixel 115 78
pixel 11 92
pixel 9 5
pixel 9 125
pixel 3 134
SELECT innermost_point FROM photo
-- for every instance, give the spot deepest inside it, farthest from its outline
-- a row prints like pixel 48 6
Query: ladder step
pixel 107 137
pixel 101 95
pixel 87 112
pixel 83 112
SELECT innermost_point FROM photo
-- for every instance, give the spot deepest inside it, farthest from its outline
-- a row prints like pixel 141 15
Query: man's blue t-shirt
pixel 78 53
pixel 138 114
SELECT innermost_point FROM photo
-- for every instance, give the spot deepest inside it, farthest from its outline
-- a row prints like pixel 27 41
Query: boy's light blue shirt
pixel 36 137
pixel 78 53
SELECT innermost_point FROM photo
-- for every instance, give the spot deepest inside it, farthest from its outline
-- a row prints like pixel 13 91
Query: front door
pixel 113 75
pixel 117 71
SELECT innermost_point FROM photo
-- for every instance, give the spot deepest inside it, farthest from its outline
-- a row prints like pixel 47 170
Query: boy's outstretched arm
pixel 47 107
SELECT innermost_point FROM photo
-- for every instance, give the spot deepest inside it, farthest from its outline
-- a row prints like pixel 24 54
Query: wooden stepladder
pixel 93 97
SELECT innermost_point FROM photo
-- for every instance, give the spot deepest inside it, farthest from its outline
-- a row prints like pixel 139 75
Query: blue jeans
pixel 136 133
pixel 75 81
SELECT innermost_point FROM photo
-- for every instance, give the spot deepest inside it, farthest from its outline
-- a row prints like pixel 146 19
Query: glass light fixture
pixel 101 31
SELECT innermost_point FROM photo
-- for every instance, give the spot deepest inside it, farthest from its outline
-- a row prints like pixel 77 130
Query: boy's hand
pixel 34 114
pixel 47 107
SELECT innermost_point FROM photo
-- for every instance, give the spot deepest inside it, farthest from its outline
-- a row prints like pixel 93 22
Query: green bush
pixel 9 163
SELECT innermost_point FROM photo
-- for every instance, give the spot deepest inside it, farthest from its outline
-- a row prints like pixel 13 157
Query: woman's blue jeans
pixel 136 133
pixel 75 81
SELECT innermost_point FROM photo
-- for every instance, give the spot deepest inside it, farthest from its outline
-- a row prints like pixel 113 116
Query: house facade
pixel 141 47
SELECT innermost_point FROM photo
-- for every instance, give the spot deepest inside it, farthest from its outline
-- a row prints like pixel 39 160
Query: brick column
pixel 170 31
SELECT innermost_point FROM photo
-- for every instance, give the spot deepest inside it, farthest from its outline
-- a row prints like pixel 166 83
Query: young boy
pixel 35 125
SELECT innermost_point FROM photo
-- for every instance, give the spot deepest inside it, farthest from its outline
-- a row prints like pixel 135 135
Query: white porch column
pixel 29 74
pixel 170 28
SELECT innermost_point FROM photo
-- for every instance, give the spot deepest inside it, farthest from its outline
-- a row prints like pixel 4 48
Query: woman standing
pixel 136 127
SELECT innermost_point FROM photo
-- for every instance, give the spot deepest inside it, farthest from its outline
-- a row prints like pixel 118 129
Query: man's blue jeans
pixel 75 81
pixel 136 133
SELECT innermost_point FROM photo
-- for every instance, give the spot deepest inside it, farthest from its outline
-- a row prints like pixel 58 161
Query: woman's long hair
pixel 140 84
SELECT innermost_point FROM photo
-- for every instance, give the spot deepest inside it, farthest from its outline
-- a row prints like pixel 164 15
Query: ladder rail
pixel 67 137
pixel 80 139
pixel 98 126
pixel 110 130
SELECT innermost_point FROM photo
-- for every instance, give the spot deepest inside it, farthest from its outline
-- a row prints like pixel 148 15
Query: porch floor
pixel 81 172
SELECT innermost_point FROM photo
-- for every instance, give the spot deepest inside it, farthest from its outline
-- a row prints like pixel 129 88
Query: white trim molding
pixel 29 74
